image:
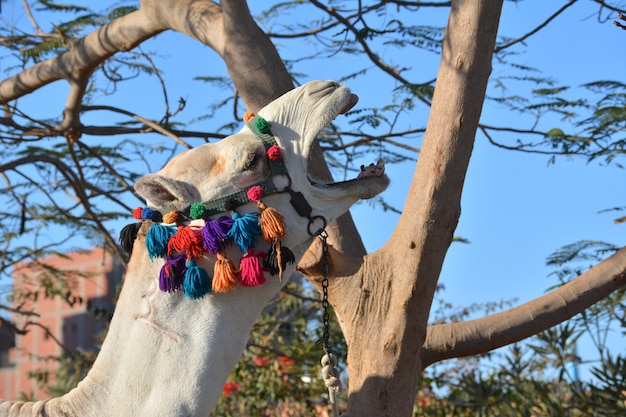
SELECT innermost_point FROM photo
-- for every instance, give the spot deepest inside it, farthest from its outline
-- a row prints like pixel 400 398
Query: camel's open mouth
pixel 372 172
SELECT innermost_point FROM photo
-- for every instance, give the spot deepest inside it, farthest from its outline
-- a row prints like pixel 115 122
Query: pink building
pixel 74 317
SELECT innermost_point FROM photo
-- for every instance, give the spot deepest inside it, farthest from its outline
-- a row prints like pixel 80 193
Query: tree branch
pixel 473 337
pixel 537 29
pixel 75 182
pixel 84 56
pixel 385 306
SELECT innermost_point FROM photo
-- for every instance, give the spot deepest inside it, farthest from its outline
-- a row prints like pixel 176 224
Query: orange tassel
pixel 272 223
pixel 224 274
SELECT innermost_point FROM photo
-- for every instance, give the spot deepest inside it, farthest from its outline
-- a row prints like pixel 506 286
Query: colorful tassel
pixel 171 217
pixel 148 214
pixel 128 234
pixel 197 211
pixel 157 240
pixel 187 240
pixel 244 230
pixel 137 213
pixel 262 125
pixel 277 259
pixel 274 153
pixel 247 116
pixel 272 223
pixel 214 233
pixel 250 270
pixel 197 282
pixel 224 274
pixel 172 273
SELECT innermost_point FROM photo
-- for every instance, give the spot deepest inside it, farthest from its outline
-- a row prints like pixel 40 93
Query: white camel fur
pixel 167 355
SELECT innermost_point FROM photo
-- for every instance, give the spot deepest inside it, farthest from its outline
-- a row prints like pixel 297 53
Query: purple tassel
pixel 172 273
pixel 215 232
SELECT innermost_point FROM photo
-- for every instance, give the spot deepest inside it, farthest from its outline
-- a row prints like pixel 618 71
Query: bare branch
pixel 364 139
pixel 537 29
pixel 85 55
pixel 473 337
pixel 75 182
pixel 618 24
pixel 394 72
pixel 30 16
pixel 153 125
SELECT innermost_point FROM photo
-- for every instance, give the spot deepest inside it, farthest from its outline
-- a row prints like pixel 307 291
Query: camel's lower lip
pixel 371 171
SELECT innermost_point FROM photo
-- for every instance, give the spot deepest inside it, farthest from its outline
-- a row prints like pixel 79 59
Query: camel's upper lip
pixel 347 106
pixel 353 100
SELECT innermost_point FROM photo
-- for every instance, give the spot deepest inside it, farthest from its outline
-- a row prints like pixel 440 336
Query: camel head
pixel 227 171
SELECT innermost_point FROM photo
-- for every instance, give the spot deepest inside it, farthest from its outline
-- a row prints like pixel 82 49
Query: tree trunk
pixel 384 307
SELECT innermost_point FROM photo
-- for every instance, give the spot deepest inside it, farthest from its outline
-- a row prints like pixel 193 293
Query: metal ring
pixel 312 220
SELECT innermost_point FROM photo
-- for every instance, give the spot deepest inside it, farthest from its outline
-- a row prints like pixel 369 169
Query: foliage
pixel 280 369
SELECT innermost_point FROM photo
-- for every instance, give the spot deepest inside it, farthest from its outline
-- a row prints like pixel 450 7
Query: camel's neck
pixel 166 355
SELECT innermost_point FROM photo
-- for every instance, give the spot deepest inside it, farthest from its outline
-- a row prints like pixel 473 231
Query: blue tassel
pixel 245 230
pixel 157 238
pixel 197 282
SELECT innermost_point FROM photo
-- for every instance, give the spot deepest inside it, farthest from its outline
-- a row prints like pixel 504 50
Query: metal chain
pixel 325 304
pixel 330 372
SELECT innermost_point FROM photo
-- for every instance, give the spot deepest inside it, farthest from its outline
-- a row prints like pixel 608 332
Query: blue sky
pixel 516 208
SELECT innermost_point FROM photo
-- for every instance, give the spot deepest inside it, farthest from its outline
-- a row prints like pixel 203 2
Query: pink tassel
pixel 251 271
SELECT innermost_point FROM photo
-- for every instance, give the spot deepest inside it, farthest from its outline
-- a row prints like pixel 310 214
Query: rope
pixel 330 374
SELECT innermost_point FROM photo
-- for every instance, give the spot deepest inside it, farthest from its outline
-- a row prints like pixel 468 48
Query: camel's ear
pixel 166 194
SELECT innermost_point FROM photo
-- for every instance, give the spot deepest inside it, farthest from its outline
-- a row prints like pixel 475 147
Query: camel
pixel 170 348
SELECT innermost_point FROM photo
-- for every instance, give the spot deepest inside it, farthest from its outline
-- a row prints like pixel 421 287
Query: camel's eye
pixel 252 161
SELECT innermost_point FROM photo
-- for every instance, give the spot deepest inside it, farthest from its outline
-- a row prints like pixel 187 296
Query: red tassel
pixel 187 241
pixel 224 274
pixel 250 270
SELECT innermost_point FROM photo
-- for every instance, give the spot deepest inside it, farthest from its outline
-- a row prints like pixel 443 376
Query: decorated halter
pixel 181 238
